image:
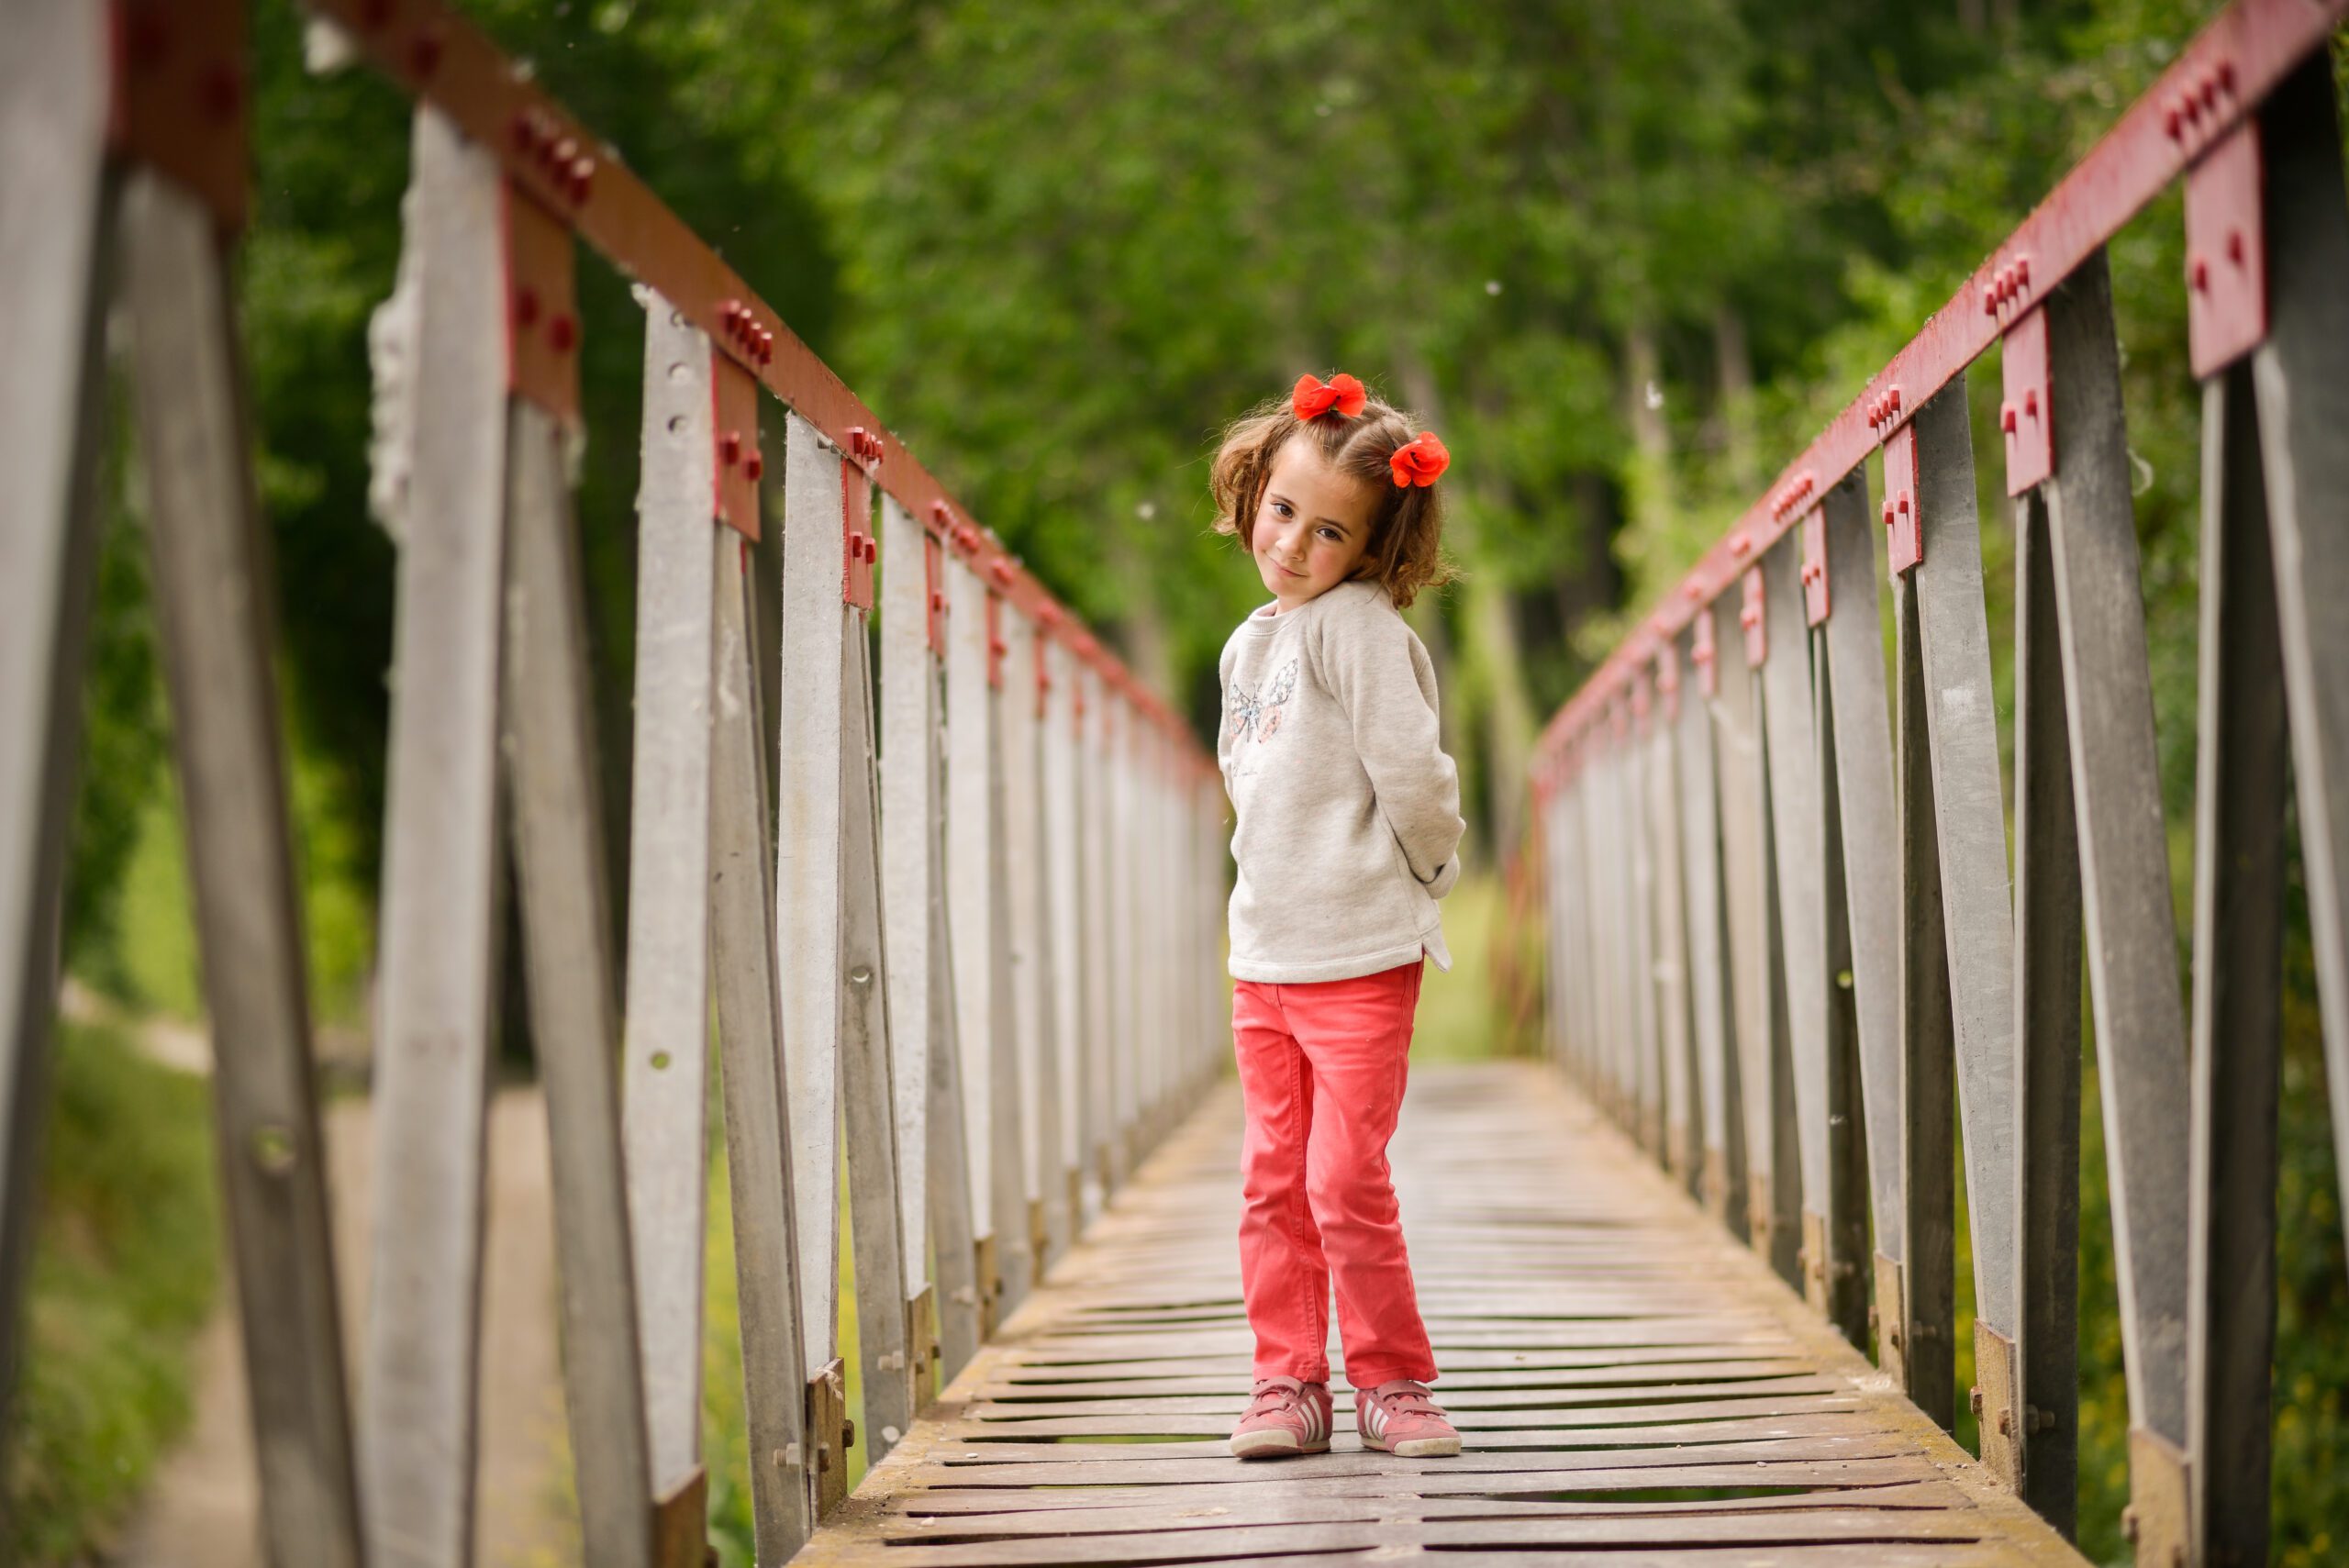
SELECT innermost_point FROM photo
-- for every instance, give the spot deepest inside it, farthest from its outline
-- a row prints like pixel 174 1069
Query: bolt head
pixel 730 447
pixel 222 91
pixel 753 466
pixel 562 332
pixel 2006 417
pixel 424 54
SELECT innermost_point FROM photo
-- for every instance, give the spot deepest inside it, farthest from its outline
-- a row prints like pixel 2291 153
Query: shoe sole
pixel 1417 1448
pixel 1273 1444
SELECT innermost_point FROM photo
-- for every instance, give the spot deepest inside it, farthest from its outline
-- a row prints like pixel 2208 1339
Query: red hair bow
pixel 1315 397
pixel 1420 460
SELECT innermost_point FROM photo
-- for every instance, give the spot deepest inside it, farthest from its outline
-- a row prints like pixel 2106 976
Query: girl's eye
pixel 1282 507
pixel 1332 535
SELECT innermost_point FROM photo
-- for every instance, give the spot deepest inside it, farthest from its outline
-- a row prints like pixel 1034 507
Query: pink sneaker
pixel 1402 1417
pixel 1284 1415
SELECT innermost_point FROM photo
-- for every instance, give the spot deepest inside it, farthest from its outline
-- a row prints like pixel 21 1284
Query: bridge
pixel 952 887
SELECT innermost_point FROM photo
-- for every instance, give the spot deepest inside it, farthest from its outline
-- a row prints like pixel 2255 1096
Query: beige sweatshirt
pixel 1347 810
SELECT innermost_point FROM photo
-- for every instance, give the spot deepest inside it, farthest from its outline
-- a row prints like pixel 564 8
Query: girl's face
pixel 1312 526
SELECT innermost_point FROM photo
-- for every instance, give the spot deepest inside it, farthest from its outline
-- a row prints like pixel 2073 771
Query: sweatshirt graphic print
pixel 1346 809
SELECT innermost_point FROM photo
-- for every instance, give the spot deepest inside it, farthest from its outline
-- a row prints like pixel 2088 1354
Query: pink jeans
pixel 1322 1067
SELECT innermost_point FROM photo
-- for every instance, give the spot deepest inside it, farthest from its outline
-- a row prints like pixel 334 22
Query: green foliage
pixel 125 1265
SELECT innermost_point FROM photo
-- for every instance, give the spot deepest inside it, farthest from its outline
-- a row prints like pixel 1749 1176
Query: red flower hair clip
pixel 1315 397
pixel 1420 460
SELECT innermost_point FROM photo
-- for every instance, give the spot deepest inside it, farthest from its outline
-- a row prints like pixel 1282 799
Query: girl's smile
pixel 1312 528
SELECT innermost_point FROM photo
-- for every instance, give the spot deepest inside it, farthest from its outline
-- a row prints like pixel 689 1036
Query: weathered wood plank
pixel 2239 869
pixel 1970 822
pixel 1063 1444
pixel 436 980
pixel 749 1011
pixel 2047 1028
pixel 666 1058
pixel 552 771
pixel 56 227
pixel 2124 851
pixel 215 605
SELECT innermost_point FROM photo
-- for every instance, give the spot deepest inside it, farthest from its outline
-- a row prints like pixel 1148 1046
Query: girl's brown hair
pixel 1406 529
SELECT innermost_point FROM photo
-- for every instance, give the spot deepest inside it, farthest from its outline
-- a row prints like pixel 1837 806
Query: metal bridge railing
pixel 1782 926
pixel 972 921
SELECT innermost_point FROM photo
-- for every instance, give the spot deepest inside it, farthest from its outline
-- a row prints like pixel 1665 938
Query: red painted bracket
pixel 1643 700
pixel 542 309
pixel 1703 655
pixel 181 97
pixel 997 647
pixel 933 578
pixel 1048 620
pixel 859 541
pixel 1815 601
pixel 1906 534
pixel 1667 680
pixel 1749 616
pixel 734 432
pixel 2226 252
pixel 2027 417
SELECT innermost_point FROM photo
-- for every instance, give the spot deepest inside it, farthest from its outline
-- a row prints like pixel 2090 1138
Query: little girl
pixel 1347 824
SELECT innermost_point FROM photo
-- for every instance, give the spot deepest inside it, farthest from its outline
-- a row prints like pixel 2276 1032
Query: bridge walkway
pixel 1629 1380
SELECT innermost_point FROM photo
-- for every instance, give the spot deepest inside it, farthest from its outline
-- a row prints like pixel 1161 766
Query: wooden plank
pixel 2302 390
pixel 1675 1019
pixel 1837 1278
pixel 868 1102
pixel 1797 858
pixel 1969 816
pixel 807 872
pixel 1868 820
pixel 436 986
pixel 910 870
pixel 665 1058
pixel 1721 1180
pixel 973 874
pixel 1753 950
pixel 552 770
pixel 215 603
pixel 1916 1293
pixel 1064 900
pixel 1023 872
pixel 1102 1446
pixel 2047 1027
pixel 56 231
pixel 2124 851
pixel 2240 798
pixel 1094 787
pixel 1647 1027
pixel 750 1013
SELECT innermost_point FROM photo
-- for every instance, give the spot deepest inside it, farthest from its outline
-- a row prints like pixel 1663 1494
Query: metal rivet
pixel 526 306
pixel 562 332
pixel 424 54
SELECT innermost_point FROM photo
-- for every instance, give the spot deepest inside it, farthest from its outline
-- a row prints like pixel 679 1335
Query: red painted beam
pixel 2214 85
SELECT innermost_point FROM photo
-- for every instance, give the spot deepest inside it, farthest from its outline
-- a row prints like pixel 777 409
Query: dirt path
pixel 203 1510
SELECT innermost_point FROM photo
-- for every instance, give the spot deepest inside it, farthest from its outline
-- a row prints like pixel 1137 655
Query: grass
pixel 125 1266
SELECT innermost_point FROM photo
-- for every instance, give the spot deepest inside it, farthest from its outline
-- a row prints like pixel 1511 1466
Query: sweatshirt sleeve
pixel 1378 670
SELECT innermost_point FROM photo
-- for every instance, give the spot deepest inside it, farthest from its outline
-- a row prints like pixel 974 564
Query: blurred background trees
pixel 1626 255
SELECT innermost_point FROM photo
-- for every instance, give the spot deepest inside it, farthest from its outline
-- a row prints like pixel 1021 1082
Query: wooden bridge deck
pixel 1633 1385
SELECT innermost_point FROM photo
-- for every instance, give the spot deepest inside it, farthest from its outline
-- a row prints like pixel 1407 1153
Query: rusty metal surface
pixel 1602 1342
